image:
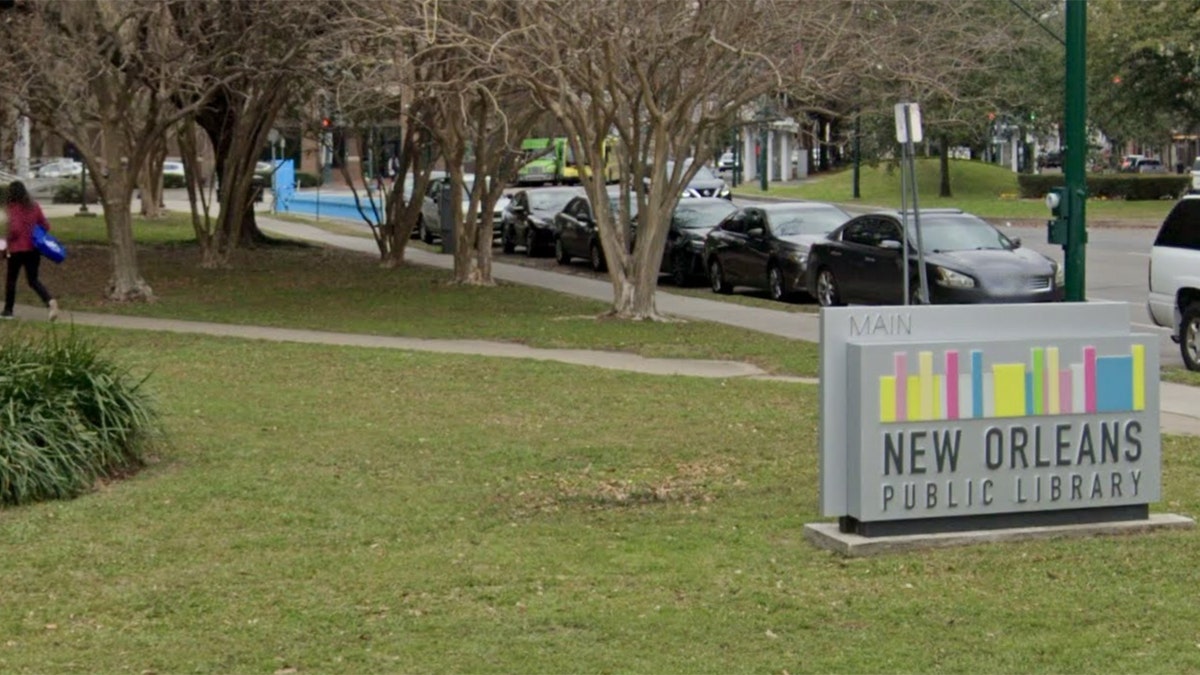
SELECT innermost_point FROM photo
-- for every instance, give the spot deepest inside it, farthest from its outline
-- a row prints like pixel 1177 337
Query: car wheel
pixel 560 253
pixel 426 235
pixel 716 276
pixel 508 242
pixel 775 284
pixel 1189 336
pixel 596 256
pixel 681 270
pixel 530 243
pixel 827 289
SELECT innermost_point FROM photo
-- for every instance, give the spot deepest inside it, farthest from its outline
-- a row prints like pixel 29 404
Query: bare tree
pixel 475 106
pixel 666 79
pixel 286 45
pixel 106 76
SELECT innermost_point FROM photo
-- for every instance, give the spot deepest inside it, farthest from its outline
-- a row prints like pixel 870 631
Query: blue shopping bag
pixel 48 245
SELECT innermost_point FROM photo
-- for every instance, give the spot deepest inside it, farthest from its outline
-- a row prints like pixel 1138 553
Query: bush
pixel 67 192
pixel 1132 187
pixel 3 193
pixel 68 416
pixel 307 180
pixel 173 181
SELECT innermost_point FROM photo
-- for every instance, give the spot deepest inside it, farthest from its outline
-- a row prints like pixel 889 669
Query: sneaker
pixel 7 316
pixel 53 310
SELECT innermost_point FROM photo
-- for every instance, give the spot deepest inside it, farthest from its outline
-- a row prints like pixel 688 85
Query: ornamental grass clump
pixel 69 416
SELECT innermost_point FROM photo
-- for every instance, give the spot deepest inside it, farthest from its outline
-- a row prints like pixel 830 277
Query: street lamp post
pixel 83 209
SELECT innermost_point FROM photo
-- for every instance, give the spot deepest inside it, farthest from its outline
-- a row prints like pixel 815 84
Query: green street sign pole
pixel 1075 157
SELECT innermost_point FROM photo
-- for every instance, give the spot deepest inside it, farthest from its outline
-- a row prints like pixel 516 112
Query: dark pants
pixel 30 260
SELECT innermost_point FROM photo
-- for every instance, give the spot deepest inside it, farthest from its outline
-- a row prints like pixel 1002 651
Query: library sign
pixel 940 418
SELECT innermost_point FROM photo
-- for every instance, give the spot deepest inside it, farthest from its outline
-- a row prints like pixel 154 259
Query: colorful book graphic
pixel 964 389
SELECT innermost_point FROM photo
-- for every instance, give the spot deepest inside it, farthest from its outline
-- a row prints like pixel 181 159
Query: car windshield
pixel 703 173
pixel 702 216
pixel 550 200
pixel 960 232
pixel 791 222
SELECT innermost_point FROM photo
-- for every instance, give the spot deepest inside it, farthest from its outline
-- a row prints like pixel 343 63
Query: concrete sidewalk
pixel 1179 404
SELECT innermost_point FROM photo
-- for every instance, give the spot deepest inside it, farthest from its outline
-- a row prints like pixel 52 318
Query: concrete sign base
pixel 829 537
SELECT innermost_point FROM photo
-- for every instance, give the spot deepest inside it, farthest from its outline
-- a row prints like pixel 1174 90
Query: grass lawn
pixel 986 190
pixel 1181 375
pixel 324 289
pixel 341 510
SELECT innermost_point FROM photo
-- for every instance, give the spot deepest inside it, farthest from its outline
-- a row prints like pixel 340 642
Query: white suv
pixel 1174 299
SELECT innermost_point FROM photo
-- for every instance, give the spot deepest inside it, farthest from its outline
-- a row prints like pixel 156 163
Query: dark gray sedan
pixel 766 246
pixel 528 220
pixel 967 260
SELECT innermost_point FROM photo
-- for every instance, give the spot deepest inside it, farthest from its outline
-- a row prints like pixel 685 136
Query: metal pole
pixel 857 155
pixel 904 178
pixel 923 291
pixel 1075 121
pixel 83 209
pixel 762 154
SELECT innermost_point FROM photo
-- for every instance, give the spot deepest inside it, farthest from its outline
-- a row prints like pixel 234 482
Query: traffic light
pixel 326 123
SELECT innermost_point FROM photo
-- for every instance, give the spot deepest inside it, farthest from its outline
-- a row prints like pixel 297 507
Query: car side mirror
pixel 890 245
pixel 1016 242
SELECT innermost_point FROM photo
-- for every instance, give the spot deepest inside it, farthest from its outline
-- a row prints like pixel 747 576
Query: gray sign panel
pixel 963 428
pixel 1036 324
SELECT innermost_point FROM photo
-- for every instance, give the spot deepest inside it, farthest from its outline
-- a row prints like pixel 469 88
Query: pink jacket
pixel 21 220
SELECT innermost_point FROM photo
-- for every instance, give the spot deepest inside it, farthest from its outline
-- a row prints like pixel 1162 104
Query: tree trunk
pixel 944 165
pixel 126 284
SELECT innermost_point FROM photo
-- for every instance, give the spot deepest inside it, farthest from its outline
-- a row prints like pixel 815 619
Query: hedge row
pixel 1132 187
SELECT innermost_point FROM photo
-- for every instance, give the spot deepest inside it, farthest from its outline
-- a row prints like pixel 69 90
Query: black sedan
pixel 683 255
pixel 575 231
pixel 967 260
pixel 766 246
pixel 528 219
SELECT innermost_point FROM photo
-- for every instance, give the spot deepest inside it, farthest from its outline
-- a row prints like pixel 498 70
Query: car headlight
pixel 952 279
pixel 695 244
pixel 723 192
pixel 1060 275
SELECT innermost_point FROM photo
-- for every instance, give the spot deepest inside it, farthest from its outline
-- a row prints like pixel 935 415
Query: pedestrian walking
pixel 23 214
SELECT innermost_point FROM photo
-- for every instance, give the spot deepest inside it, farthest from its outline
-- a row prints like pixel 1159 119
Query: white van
pixel 1174 299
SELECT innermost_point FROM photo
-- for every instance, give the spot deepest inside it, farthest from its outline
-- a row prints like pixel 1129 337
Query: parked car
pixel 727 162
pixel 528 220
pixel 429 223
pixel 172 167
pixel 766 246
pixel 1174 298
pixel 1051 160
pixel 967 260
pixel 1129 162
pixel 575 232
pixel 704 184
pixel 683 253
pixel 60 168
pixel 1149 166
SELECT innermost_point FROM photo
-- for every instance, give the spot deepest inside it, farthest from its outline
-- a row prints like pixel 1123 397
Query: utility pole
pixel 1075 158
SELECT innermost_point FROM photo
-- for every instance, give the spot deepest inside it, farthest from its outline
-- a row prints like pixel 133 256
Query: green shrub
pixel 67 192
pixel 307 180
pixel 173 181
pixel 1128 186
pixel 68 416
